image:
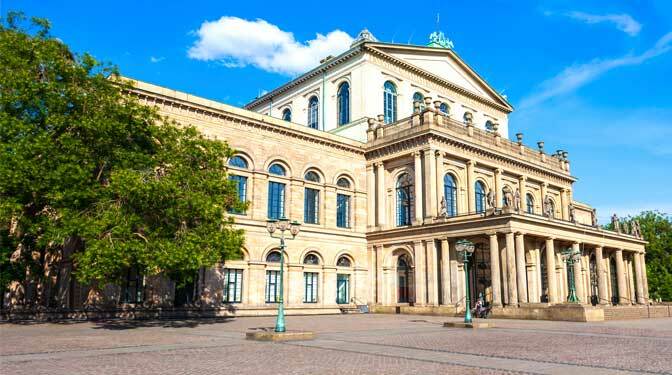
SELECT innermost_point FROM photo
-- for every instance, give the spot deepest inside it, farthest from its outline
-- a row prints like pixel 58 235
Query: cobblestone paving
pixel 349 344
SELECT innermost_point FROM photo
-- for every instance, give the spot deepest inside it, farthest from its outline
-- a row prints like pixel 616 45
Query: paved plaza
pixel 347 344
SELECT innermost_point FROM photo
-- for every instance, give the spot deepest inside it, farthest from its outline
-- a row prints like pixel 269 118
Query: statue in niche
pixel 508 198
pixel 443 212
pixel 548 207
pixel 572 213
pixel 490 199
pixel 616 224
pixel 593 217
pixel 516 200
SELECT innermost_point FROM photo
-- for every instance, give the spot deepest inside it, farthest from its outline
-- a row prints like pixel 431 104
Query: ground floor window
pixel 233 286
pixel 186 291
pixel 310 287
pixel 132 288
pixel 272 286
pixel 342 288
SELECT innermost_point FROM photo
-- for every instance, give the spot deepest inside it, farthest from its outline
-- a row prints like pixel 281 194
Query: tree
pixel 656 229
pixel 85 168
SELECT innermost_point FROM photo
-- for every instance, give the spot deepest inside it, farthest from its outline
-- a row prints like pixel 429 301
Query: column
pixel 564 204
pixel 544 192
pixel 522 182
pixel 550 271
pixel 645 278
pixel 370 196
pixel 471 199
pixel 329 283
pixel 417 184
pixel 603 299
pixel 445 272
pixel 511 269
pixel 379 274
pixel 380 194
pixel 620 276
pixel 639 279
pixel 521 271
pixel 578 280
pixel 631 281
pixel 498 188
pixel 419 273
pixel 440 172
pixel 455 281
pixel 503 267
pixel 494 270
pixel 430 184
pixel 432 277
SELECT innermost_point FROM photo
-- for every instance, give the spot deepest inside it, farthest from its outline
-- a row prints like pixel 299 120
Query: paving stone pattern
pixel 349 344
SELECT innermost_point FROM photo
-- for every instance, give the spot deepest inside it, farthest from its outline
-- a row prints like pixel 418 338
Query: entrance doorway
pixel 480 282
pixel 403 282
pixel 342 289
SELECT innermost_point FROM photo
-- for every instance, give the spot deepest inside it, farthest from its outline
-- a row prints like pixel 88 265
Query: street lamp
pixel 571 256
pixel 282 225
pixel 465 248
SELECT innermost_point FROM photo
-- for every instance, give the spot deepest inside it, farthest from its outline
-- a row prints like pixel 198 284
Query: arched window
pixel 450 194
pixel 313 112
pixel 529 200
pixel 238 162
pixel 403 274
pixel 390 102
pixel 489 126
pixel 467 118
pixel 343 103
pixel 480 196
pixel 311 259
pixel 418 97
pixel 343 183
pixel 287 114
pixel 344 262
pixel 404 200
pixel 273 257
pixel 444 108
pixel 312 176
pixel 277 169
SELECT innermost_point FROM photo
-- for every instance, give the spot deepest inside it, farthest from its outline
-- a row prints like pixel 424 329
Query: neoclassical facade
pixel 388 154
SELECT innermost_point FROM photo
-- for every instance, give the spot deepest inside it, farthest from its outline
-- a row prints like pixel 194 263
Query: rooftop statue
pixel 438 39
pixel 364 36
pixel 616 223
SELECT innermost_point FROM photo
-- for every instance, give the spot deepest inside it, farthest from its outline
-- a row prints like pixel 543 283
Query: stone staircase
pixel 354 309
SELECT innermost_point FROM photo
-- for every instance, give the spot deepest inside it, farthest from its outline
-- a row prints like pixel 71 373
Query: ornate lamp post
pixel 570 257
pixel 282 225
pixel 465 248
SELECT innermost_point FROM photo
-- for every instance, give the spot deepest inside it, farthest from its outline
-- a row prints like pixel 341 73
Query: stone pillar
pixel 430 184
pixel 578 280
pixel 521 271
pixel 544 192
pixel 380 195
pixel 551 277
pixel 455 281
pixel 639 278
pixel 419 273
pixel 631 281
pixel 522 182
pixel 329 283
pixel 379 274
pixel 645 278
pixel 370 196
pixel 498 187
pixel 503 267
pixel 432 276
pixel 601 277
pixel 511 269
pixel 620 276
pixel 445 272
pixel 564 204
pixel 417 185
pixel 471 198
pixel 440 172
pixel 494 270
pixel 257 284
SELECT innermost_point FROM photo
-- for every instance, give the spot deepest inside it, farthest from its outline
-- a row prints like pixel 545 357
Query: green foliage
pixel 81 158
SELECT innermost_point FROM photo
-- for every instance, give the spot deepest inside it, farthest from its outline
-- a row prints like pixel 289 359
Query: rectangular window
pixel 276 200
pixel 132 289
pixel 241 187
pixel 343 211
pixel 310 287
pixel 233 286
pixel 272 286
pixel 311 206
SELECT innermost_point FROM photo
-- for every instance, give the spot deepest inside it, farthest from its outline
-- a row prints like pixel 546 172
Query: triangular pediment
pixel 445 64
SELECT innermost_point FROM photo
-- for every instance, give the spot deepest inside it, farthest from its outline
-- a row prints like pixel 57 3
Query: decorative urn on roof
pixel 364 36
pixel 439 40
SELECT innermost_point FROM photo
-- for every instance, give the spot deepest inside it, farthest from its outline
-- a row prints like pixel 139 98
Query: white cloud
pixel 155 60
pixel 236 42
pixel 575 76
pixel 623 22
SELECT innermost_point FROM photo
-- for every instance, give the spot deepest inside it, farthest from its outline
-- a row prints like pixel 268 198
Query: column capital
pixel 471 163
pixel 522 178
pixel 437 153
pixel 519 233
pixel 544 184
pixel 564 190
pixel 379 164
pixel 499 170
pixel 491 233
pixel 550 238
pixel 417 154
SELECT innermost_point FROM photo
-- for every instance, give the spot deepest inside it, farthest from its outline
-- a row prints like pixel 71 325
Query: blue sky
pixel 590 77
